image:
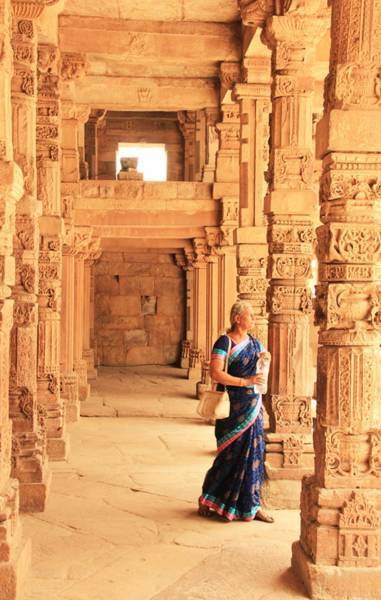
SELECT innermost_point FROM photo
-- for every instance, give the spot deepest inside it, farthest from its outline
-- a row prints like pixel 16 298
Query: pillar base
pixel 14 572
pixel 58 448
pixel 281 494
pixel 70 396
pixel 33 496
pixel 84 392
pixel 200 388
pixel 72 413
pixel 327 582
pixel 194 373
pixel 92 373
pixel 184 363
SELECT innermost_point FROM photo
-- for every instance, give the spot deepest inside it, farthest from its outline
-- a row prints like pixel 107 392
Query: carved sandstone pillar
pixel 189 311
pixel 254 104
pixel 69 378
pixel 211 298
pixel 14 552
pixel 198 349
pixel 211 144
pixel 339 552
pixel 27 413
pixel 187 123
pixel 82 241
pixel 290 211
pixel 50 254
pixel 88 307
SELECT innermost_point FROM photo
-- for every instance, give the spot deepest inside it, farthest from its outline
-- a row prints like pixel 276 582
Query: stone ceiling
pixel 222 11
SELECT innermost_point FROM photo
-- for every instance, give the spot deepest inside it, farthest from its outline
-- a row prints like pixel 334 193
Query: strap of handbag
pixel 226 361
pixel 227 355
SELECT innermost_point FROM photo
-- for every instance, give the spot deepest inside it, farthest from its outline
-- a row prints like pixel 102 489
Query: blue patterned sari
pixel 232 485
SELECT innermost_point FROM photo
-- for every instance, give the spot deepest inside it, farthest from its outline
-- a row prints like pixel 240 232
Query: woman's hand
pixel 265 354
pixel 257 379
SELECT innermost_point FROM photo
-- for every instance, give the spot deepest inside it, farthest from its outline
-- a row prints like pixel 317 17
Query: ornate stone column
pixel 339 552
pixel 72 67
pixel 290 212
pixel 187 342
pixel 27 412
pixel 69 378
pixel 82 242
pixel 187 123
pixel 211 144
pixel 212 297
pixel 198 349
pixel 14 551
pixel 91 142
pixel 88 307
pixel 253 97
pixel 50 254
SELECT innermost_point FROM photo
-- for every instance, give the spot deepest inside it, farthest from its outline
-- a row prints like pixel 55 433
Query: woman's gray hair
pixel 237 309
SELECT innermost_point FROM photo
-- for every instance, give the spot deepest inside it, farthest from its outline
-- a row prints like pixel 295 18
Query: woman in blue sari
pixel 232 485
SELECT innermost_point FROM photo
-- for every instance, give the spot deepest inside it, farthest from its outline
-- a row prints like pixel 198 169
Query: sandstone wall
pixel 125 127
pixel 139 304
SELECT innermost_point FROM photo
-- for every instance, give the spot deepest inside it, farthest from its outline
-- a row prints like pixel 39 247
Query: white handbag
pixel 213 404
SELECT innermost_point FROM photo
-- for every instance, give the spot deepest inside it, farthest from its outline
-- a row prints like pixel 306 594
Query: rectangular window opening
pixel 152 159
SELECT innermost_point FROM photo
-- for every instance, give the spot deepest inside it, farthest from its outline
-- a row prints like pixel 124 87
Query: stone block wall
pixel 139 308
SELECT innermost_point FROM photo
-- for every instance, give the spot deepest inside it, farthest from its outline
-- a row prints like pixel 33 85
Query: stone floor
pixel 121 522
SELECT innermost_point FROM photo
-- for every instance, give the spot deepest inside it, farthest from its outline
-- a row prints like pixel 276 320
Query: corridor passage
pixel 121 520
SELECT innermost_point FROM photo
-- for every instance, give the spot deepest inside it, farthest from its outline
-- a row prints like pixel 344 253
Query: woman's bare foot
pixel 262 516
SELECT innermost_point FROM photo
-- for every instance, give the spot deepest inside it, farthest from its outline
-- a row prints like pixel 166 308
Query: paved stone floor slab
pixel 121 520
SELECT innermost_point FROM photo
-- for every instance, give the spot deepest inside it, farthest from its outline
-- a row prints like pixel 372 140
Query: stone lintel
pixel 327 582
pixel 163 94
pixel 151 40
pixel 251 235
pixel 139 233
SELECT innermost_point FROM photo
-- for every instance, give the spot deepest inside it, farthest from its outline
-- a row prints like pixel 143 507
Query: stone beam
pixel 151 41
pixel 167 94
pixel 147 234
pixel 167 245
pixel 140 209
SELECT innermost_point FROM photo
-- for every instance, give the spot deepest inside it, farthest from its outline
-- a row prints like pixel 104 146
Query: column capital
pixel 47 57
pixel 73 65
pixel 30 9
pixel 292 35
pixel 230 74
pixel 200 249
pixel 81 242
pixel 251 90
pixel 254 13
